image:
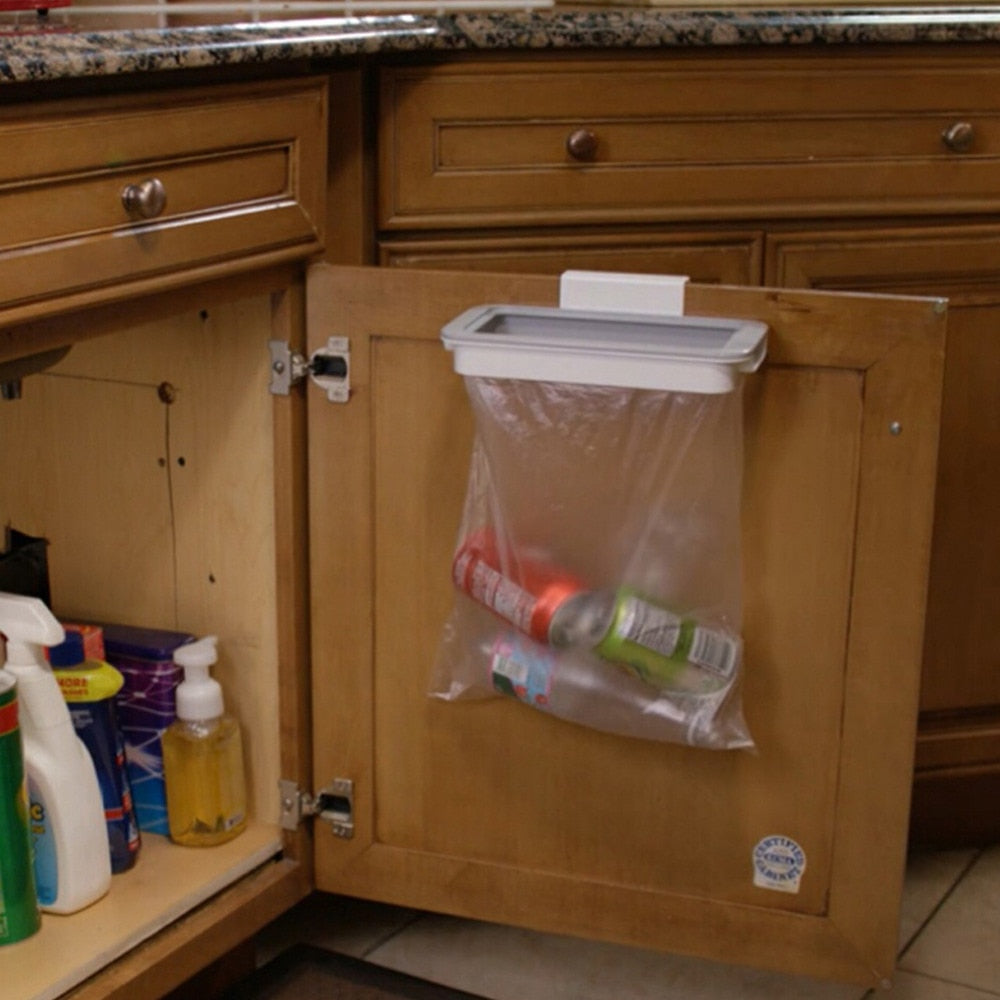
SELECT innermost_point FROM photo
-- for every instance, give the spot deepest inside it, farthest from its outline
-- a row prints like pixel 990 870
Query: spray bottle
pixel 19 914
pixel 203 756
pixel 72 864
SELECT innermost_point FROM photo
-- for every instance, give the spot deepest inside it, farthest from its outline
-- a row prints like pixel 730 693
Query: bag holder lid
pixel 628 350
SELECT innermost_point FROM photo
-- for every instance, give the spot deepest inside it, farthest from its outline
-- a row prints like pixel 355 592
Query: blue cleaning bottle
pixel 89 687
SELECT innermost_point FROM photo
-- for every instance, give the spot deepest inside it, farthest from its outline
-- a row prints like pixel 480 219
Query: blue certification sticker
pixel 778 863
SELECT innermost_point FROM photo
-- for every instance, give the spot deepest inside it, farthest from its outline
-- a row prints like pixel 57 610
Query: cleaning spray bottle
pixel 19 913
pixel 203 756
pixel 72 864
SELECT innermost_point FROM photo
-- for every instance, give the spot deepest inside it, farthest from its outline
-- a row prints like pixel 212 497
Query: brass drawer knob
pixel 959 136
pixel 146 199
pixel 582 144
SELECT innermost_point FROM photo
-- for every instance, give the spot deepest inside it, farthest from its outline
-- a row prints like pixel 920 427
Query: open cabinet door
pixel 493 811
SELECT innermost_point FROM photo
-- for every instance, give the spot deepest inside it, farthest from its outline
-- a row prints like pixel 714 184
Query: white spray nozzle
pixel 28 625
pixel 198 695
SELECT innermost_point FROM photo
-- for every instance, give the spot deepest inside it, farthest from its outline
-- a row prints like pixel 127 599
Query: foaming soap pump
pixel 203 756
pixel 72 866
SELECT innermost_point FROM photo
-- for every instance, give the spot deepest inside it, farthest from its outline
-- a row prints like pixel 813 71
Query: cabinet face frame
pixel 725 256
pixel 898 353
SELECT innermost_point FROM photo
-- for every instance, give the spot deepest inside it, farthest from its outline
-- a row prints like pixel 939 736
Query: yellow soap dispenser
pixel 203 756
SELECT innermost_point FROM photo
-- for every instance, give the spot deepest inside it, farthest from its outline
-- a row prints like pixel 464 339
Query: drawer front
pixel 670 138
pixel 241 169
pixel 728 258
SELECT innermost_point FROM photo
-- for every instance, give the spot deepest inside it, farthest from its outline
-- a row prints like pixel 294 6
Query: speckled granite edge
pixel 34 56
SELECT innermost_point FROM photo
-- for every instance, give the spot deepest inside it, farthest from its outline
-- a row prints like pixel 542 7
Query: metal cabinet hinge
pixel 328 367
pixel 334 804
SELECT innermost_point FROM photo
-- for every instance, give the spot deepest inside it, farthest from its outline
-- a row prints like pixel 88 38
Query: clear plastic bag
pixel 597 570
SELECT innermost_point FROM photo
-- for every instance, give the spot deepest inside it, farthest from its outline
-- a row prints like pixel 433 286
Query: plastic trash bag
pixel 597 568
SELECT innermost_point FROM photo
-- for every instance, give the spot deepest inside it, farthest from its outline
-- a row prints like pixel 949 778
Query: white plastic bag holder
pixel 628 350
pixel 608 452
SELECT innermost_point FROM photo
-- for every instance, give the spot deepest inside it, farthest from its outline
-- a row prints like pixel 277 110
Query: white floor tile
pixel 505 963
pixel 962 943
pixel 909 986
pixel 348 926
pixel 929 877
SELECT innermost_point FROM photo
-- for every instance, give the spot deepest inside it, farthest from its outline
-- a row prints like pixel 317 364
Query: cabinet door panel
pixel 493 811
pixel 958 745
pixel 963 642
pixel 509 759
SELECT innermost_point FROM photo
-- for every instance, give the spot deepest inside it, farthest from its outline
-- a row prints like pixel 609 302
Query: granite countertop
pixel 79 41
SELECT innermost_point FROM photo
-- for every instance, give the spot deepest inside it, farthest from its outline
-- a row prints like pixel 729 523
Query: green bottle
pixel 19 913
pixel 665 649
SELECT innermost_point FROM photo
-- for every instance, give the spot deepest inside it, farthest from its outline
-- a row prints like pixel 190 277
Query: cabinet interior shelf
pixel 166 882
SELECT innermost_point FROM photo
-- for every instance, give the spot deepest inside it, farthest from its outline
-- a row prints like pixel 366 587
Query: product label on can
pixel 490 587
pixel 713 650
pixel 647 625
pixel 522 672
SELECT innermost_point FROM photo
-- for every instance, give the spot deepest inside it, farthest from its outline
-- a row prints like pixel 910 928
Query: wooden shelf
pixel 167 882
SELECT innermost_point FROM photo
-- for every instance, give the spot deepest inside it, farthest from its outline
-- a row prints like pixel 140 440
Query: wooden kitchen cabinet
pixel 315 537
pixel 165 476
pixel 195 516
pixel 870 169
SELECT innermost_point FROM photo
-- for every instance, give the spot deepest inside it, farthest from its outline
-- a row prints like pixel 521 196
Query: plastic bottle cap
pixel 69 652
pixel 198 695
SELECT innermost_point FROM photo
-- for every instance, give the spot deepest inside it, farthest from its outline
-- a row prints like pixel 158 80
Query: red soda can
pixel 545 602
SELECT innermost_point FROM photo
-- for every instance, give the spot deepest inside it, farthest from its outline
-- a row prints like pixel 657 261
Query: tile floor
pixel 949 948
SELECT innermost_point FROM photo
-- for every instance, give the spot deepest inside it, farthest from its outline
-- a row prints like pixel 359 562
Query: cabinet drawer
pixel 668 138
pixel 240 172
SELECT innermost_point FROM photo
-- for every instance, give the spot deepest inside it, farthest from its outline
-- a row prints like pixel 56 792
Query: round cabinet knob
pixel 146 199
pixel 582 144
pixel 959 136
